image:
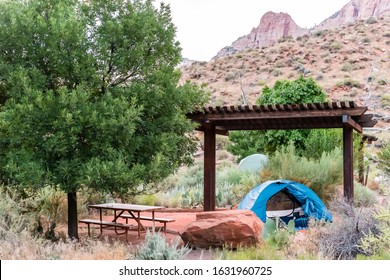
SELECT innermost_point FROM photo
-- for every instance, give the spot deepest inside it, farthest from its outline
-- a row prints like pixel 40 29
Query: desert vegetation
pixel 112 126
pixel 359 231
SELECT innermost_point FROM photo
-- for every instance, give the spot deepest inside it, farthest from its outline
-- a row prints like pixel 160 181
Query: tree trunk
pixel 72 216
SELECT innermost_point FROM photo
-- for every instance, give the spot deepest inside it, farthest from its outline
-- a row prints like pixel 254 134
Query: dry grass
pixel 23 246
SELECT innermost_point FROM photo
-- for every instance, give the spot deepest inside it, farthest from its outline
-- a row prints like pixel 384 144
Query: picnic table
pixel 126 212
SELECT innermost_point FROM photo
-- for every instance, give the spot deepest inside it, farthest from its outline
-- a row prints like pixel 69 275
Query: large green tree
pixel 89 96
pixel 299 91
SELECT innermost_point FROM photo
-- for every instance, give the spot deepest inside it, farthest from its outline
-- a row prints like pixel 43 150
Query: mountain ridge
pixel 276 26
pixel 271 28
pixel 351 63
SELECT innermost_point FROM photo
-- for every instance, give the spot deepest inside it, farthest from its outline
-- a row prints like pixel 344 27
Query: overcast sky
pixel 206 26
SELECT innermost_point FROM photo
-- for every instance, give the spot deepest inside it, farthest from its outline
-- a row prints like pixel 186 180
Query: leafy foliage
pixel 299 91
pixel 321 141
pixel 89 95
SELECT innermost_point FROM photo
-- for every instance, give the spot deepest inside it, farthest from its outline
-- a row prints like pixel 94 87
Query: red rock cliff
pixel 272 27
pixel 356 10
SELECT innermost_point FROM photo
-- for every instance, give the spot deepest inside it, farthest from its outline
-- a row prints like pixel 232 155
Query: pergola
pixel 222 119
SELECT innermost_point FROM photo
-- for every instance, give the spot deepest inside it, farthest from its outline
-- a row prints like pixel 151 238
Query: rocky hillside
pixel 351 62
pixel 274 26
pixel 356 10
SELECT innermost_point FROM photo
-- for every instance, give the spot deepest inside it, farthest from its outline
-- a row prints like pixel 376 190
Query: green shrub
pixel 322 140
pixel 321 175
pixel 372 20
pixel 186 177
pixel 335 46
pixel 53 204
pixel 363 196
pixel 156 247
pixel 320 33
pixel 347 67
pixel 185 189
pixel 230 77
pixel 377 244
pixel 276 233
pixel 179 196
pixel 17 213
pixel 145 199
pixel 261 252
pixel 382 82
pixel 225 195
pixel 384 158
pixel 349 83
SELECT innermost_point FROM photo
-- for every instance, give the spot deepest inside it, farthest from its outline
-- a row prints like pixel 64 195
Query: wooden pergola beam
pixel 348 121
pixel 220 120
pixel 220 130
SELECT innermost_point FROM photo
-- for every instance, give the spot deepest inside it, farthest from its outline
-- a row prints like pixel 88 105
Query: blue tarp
pixel 256 200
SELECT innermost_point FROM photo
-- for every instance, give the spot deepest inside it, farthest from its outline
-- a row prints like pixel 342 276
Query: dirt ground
pixel 182 219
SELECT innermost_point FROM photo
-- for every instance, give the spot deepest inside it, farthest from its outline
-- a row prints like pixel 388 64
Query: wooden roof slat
pixel 327 105
pixel 264 108
pixel 233 108
pixel 289 116
pixel 301 107
pixel 226 109
pixel 256 108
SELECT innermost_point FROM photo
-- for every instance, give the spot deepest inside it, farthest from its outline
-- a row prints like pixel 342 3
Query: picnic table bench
pixel 105 224
pixel 164 221
pixel 125 211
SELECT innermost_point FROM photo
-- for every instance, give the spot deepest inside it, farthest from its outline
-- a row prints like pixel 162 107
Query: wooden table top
pixel 125 206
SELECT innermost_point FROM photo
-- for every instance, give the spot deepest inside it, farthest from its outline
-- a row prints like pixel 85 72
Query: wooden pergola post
pixel 348 163
pixel 222 119
pixel 361 162
pixel 209 167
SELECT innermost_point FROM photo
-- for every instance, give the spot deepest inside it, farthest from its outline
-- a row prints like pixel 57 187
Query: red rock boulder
pixel 230 228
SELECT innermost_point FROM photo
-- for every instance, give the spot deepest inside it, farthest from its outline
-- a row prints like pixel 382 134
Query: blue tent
pixel 312 206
